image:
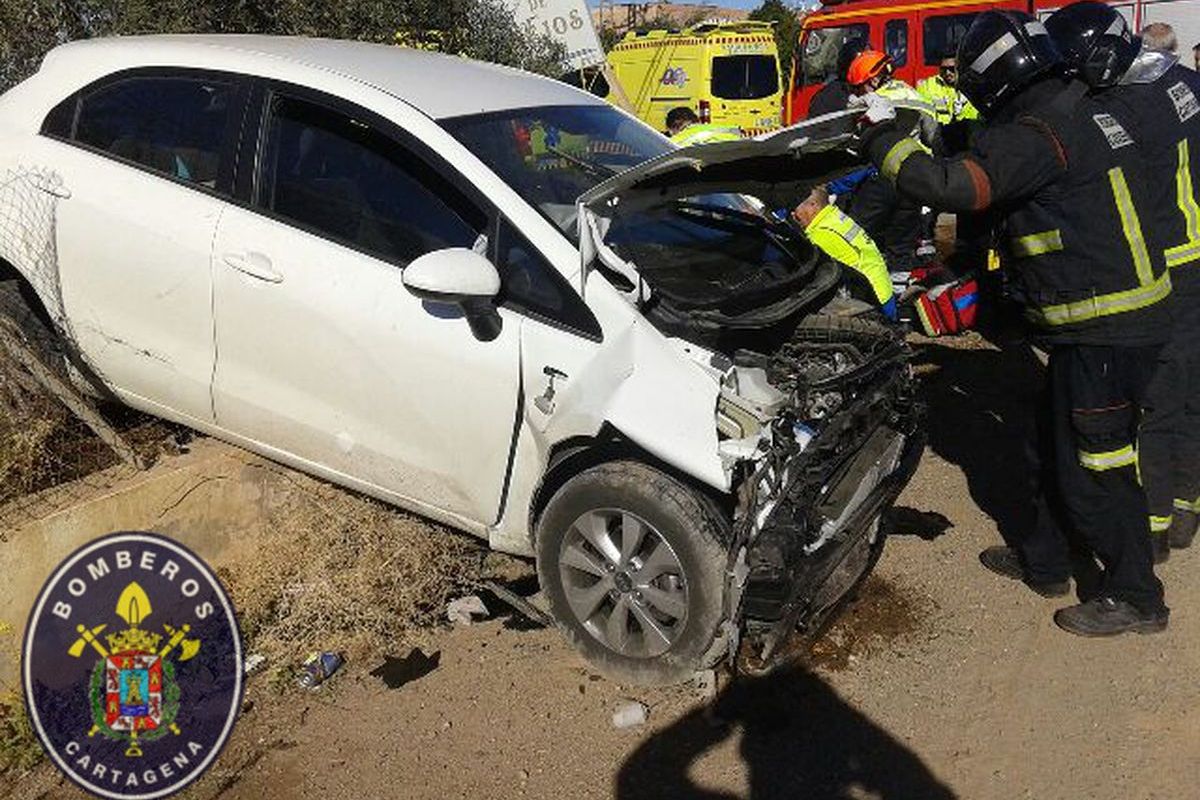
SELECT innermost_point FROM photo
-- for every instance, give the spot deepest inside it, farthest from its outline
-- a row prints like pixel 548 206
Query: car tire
pixel 647 554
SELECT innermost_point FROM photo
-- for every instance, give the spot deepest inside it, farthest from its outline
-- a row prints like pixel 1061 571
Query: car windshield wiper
pixel 593 168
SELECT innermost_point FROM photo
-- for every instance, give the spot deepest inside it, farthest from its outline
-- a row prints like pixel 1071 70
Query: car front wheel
pixel 632 563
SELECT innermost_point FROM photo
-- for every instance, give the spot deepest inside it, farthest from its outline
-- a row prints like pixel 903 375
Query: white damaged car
pixel 483 296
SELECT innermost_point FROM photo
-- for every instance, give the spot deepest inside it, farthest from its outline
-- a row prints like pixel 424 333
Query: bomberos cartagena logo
pixel 132 666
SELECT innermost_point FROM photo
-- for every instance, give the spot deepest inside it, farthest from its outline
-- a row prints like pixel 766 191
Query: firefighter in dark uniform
pixel 1055 171
pixel 1159 102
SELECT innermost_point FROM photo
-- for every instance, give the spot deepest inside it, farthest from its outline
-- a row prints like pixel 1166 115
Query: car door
pixel 324 358
pixel 144 159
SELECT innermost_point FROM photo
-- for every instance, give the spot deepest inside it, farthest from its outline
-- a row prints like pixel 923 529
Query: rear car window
pixel 943 34
pixel 744 77
pixel 821 48
pixel 173 126
pixel 342 179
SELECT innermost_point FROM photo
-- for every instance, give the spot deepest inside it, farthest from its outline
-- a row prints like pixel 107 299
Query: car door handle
pixel 256 265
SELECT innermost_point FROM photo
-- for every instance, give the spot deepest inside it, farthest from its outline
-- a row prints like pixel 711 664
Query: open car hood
pixel 779 168
pixel 691 298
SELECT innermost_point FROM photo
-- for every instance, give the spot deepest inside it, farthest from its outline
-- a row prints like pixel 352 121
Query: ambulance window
pixel 821 48
pixel 942 35
pixel 744 77
pixel 895 41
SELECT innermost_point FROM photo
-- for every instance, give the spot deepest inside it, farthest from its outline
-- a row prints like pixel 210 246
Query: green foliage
pixel 787 31
pixel 482 29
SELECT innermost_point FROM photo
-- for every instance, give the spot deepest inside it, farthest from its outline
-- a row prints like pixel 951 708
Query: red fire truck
pixel 917 34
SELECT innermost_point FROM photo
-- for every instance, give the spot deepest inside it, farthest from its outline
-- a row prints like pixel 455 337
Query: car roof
pixel 439 85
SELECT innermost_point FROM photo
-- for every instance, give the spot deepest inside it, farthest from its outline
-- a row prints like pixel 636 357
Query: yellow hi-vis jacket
pixel 844 240
pixel 949 105
pixel 704 134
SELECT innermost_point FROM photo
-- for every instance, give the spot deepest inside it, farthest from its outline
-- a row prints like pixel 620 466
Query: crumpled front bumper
pixel 824 533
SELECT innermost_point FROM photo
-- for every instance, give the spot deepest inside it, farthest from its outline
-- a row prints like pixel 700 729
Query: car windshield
pixel 702 246
pixel 552 154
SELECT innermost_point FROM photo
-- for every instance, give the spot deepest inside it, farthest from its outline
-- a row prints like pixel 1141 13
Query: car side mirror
pixel 461 277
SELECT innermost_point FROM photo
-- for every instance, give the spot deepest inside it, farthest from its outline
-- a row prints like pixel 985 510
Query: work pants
pixel 1170 436
pixel 1085 458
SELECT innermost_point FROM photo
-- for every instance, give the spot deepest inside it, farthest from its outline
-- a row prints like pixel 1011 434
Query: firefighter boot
pixel 1106 616
pixel 1183 529
pixel 1005 561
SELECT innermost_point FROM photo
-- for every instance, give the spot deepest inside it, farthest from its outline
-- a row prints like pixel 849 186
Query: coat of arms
pixel 133 693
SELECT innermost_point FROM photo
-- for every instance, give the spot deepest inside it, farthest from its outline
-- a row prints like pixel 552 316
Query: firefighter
pixel 893 222
pixel 1159 102
pixel 685 129
pixel 844 240
pixel 1055 169
pixel 941 91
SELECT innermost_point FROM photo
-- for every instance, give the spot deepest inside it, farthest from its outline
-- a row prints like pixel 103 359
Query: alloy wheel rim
pixel 624 583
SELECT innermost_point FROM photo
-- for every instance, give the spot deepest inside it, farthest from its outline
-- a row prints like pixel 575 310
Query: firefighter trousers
pixel 1086 461
pixel 1170 435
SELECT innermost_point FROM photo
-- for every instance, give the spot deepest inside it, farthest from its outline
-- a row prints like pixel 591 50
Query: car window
pixel 531 285
pixel 821 48
pixel 895 41
pixel 942 35
pixel 744 77
pixel 172 125
pixel 343 179
pixel 552 154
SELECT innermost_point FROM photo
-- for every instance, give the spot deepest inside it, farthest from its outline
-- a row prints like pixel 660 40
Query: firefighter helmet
pixel 1096 42
pixel 869 64
pixel 1001 53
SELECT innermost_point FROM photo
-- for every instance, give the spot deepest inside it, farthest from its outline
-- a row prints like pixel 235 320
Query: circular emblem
pixel 132 666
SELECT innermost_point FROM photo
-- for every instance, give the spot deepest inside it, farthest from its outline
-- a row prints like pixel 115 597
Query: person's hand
pixel 804 213
pixel 877 109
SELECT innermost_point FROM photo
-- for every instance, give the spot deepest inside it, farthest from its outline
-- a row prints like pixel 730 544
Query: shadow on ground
pixel 798 740
pixel 981 402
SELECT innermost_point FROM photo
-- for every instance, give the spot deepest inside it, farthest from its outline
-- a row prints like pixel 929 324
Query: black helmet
pixel 1096 42
pixel 1002 52
pixel 850 50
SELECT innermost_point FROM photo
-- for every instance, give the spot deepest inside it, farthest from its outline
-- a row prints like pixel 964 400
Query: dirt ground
pixel 942 681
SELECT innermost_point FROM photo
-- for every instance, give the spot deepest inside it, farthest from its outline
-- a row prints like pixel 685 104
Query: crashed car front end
pixel 819 428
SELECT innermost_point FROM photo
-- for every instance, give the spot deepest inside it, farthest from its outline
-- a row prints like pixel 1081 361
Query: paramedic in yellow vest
pixel 842 239
pixel 872 72
pixel 685 128
pixel 949 104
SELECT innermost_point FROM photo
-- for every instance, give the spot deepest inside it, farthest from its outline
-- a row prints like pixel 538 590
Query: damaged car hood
pixel 700 238
pixel 786 163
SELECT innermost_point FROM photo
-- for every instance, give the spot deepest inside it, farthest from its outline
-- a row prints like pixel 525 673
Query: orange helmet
pixel 869 64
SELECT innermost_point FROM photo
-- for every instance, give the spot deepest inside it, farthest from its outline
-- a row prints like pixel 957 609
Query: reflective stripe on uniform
pixel 1160 524
pixel 1036 244
pixel 1104 305
pixel 1189 251
pixel 1184 505
pixel 1113 459
pixel 1132 226
pixel 896 157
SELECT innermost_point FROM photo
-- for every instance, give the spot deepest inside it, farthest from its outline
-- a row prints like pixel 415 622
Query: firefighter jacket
pixel 1059 174
pixel 704 134
pixel 949 105
pixel 1164 117
pixel 842 239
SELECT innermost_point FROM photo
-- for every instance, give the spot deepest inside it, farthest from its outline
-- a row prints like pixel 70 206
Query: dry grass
pixel 19 748
pixel 331 570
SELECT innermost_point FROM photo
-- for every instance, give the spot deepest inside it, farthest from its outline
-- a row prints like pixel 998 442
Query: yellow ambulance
pixel 727 72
